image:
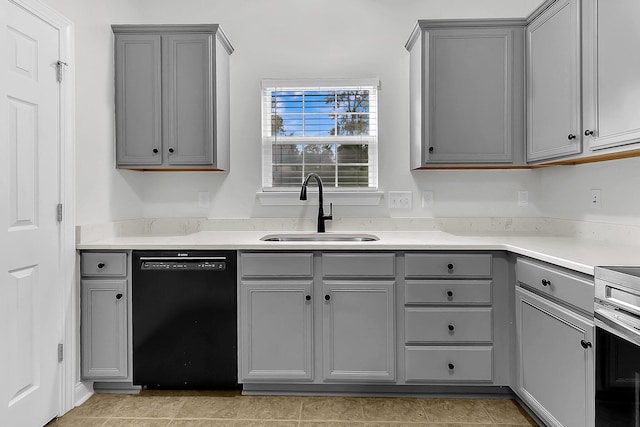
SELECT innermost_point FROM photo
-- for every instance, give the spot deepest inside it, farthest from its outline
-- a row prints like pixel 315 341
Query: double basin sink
pixel 319 237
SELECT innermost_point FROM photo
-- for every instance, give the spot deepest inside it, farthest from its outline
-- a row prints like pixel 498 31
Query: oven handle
pixel 606 319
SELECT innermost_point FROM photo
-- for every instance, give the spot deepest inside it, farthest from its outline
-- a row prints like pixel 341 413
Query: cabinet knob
pixel 450 267
pixel 308 297
pixel 585 344
pixel 588 132
pixel 546 282
pixel 451 328
pixel 571 136
pixel 431 149
pixel 450 295
pixel 118 296
pixel 451 366
pixel 155 151
pixel 171 150
pixel 327 297
pixel 101 265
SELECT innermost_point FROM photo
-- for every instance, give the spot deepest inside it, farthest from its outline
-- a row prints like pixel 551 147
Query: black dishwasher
pixel 184 319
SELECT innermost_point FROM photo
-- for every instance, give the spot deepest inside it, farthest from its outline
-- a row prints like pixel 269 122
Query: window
pixel 327 127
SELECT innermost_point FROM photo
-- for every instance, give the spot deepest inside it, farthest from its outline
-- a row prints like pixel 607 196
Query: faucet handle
pixel 330 216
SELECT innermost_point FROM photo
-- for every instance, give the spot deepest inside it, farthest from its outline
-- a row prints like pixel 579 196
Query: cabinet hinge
pixel 59 65
pixel 59 212
pixel 60 352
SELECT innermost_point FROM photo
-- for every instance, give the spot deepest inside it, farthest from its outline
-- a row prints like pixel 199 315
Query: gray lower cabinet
pixel 358 326
pixel 104 304
pixel 467 93
pixel 276 330
pixel 104 329
pixel 555 345
pixel 172 97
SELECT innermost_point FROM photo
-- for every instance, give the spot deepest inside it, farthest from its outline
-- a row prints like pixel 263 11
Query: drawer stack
pixel 448 317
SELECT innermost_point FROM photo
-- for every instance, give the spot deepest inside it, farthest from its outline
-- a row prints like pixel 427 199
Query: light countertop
pixel 570 252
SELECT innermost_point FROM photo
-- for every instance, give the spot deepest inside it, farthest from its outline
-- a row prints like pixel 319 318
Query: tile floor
pixel 230 409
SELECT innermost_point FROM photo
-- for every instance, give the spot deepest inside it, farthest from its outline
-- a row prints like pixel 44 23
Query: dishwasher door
pixel 184 319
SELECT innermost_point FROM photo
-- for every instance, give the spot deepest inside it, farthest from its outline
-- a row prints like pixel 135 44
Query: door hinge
pixel 60 352
pixel 59 212
pixel 59 65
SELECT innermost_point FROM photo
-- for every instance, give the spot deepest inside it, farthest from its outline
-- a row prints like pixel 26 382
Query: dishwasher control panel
pixel 188 265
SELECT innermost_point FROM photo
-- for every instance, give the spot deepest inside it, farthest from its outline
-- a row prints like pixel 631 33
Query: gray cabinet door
pixel 555 373
pixel 189 115
pixel 470 82
pixel 138 99
pixel 104 329
pixel 611 77
pixel 276 331
pixel 553 83
pixel 358 330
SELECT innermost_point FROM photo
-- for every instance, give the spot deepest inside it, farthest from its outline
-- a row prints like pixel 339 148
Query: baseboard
pixel 83 391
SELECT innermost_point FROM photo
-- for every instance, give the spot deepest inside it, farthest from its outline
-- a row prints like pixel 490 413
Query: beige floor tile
pixel 505 411
pixel 255 423
pixel 219 393
pixel 211 407
pixel 332 408
pixel 137 422
pixel 455 411
pixel 99 405
pixel 150 407
pixel 331 424
pixel 192 423
pixel 77 422
pixel 271 407
pixel 393 409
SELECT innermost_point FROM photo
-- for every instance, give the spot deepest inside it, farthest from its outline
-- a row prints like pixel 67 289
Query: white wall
pixel 298 39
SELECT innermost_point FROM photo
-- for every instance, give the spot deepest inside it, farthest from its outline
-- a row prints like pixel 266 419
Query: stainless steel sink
pixel 319 237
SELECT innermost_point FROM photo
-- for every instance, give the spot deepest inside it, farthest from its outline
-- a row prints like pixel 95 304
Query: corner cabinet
pixel 172 97
pixel 467 93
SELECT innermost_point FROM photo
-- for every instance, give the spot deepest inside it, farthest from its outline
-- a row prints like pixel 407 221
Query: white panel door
pixel 30 279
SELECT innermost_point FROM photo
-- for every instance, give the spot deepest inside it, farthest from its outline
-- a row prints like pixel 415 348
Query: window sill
pixel 341 198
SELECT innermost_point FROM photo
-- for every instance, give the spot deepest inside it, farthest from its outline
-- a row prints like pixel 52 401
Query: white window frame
pixel 269 140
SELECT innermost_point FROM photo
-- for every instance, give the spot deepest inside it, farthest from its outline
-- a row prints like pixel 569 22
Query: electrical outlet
pixel 596 199
pixel 427 199
pixel 523 198
pixel 400 199
pixel 203 199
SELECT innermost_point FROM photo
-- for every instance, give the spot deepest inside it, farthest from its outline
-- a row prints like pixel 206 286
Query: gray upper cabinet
pixel 172 97
pixel 467 93
pixel 553 83
pixel 610 72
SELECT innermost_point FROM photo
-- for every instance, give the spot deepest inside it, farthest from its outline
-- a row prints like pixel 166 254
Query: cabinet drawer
pixel 449 363
pixel 470 324
pixel 103 264
pixel 448 292
pixel 276 264
pixel 568 287
pixel 364 264
pixel 447 265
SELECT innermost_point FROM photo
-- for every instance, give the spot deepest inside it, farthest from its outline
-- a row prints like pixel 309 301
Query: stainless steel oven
pixel 617 319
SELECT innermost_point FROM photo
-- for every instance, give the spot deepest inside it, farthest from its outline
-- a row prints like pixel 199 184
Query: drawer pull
pixel 546 282
pixel 450 295
pixel 450 266
pixel 327 297
pixel 452 367
pixel 451 328
pixel 118 296
pixel 101 265
pixel 585 344
pixel 308 297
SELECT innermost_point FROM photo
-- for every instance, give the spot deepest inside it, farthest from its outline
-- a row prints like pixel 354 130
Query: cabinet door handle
pixel 118 296
pixel 155 151
pixel 585 344
pixel 171 150
pixel 546 282
pixel 450 267
pixel 451 366
pixel 101 265
pixel 327 297
pixel 588 132
pixel 571 136
pixel 451 328
pixel 431 149
pixel 450 295
pixel 308 297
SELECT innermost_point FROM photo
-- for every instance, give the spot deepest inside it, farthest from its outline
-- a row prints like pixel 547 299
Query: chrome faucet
pixel 303 196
